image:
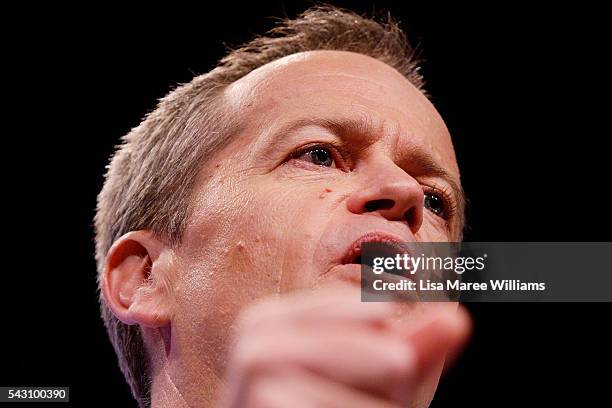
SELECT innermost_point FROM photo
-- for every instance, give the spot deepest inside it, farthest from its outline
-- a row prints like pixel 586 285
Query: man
pixel 229 224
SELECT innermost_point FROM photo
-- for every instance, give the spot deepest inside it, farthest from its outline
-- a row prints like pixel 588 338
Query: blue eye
pixel 435 204
pixel 318 155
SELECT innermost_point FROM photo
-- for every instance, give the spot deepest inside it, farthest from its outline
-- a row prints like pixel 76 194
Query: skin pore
pixel 333 146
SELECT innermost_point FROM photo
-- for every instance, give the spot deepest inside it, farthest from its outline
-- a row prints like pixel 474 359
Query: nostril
pixel 411 216
pixel 375 205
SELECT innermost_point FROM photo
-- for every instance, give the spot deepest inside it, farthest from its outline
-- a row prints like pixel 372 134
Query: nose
pixel 391 192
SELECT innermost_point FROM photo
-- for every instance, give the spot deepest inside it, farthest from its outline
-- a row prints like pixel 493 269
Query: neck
pixel 174 382
pixel 164 392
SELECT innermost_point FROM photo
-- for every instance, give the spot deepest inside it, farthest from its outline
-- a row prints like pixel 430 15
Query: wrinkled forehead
pixel 342 84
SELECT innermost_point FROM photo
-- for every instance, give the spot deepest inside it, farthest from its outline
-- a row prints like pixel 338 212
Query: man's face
pixel 335 148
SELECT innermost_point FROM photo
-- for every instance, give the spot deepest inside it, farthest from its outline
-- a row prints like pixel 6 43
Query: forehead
pixel 315 84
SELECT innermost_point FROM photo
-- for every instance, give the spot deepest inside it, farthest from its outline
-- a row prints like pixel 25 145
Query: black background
pixel 522 89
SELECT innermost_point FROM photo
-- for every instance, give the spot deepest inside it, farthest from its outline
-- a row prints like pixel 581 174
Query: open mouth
pixel 390 247
pixel 357 260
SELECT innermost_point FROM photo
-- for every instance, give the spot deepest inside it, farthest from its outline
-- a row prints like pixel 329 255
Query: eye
pixel 318 155
pixel 435 204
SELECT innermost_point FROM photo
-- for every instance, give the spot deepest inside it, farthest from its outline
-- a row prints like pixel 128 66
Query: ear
pixel 135 280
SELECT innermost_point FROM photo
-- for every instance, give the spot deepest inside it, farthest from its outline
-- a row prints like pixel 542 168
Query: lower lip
pixel 350 273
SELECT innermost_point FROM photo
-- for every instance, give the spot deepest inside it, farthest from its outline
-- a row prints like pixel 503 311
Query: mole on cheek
pixel 327 190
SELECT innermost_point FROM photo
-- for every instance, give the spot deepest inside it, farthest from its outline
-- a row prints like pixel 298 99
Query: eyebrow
pixel 364 128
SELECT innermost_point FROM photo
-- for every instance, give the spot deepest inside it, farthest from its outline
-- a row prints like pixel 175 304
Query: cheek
pixel 296 213
pixel 250 238
pixel 434 229
pixel 252 231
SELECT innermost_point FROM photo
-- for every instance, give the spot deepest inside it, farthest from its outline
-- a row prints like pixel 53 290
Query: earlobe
pixel 135 265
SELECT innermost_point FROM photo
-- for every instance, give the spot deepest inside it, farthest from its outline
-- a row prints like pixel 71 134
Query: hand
pixel 327 349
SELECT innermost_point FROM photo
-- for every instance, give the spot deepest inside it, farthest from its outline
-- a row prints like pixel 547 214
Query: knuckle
pixel 263 394
pixel 248 357
pixel 401 363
